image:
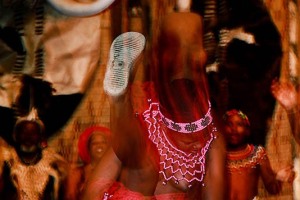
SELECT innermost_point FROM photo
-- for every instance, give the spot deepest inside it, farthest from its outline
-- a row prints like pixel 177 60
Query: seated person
pixel 92 144
pixel 31 170
pixel 247 162
pixel 164 139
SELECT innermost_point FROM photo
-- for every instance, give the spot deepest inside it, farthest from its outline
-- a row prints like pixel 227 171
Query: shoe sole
pixel 124 52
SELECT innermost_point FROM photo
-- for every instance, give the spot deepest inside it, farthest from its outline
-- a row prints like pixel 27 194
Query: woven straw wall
pixel 94 108
pixel 280 145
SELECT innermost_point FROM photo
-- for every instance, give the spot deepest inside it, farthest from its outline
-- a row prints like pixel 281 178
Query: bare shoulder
pixel 110 164
pixel 219 142
pixel 217 149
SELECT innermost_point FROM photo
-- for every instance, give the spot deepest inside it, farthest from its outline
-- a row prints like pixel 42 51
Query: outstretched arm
pixel 273 180
pixel 286 94
pixel 272 185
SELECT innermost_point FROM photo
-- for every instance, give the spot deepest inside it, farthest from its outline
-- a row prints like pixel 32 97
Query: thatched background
pixel 94 108
pixel 280 145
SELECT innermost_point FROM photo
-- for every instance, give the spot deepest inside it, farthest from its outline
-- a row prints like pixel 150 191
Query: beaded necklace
pixel 246 158
pixel 176 164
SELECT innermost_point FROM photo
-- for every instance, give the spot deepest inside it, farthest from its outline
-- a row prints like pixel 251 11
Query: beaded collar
pixel 190 127
pixel 250 157
pixel 176 164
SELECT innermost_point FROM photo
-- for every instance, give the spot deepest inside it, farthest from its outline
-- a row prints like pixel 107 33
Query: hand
pixel 286 174
pixel 285 93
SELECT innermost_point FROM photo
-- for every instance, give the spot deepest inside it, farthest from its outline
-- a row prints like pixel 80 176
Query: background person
pixel 248 162
pixel 92 145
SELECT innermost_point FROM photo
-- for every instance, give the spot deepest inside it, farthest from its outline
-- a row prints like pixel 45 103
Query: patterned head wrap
pixel 233 112
pixel 83 142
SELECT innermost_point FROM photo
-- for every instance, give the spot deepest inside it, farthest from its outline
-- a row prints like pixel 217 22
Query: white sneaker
pixel 124 52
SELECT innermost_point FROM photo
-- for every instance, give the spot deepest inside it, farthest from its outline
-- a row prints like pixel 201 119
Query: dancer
pixel 165 141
